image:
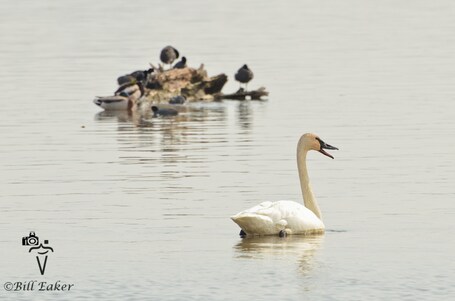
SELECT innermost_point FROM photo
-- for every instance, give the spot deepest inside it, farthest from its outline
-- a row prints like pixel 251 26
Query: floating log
pixel 193 84
pixel 241 94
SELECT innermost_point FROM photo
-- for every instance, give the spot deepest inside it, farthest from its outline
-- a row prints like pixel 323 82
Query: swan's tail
pixel 256 224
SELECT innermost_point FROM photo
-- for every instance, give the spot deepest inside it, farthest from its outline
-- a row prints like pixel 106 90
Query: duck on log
pixel 244 75
pixel 158 85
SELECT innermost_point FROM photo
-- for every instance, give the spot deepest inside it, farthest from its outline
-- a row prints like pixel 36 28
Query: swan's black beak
pixel 325 146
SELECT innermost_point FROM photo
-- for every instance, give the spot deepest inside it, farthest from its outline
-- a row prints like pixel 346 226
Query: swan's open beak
pixel 326 146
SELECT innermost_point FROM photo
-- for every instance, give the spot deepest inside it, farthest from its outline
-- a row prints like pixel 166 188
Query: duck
pixel 125 79
pixel 163 111
pixel 114 103
pixel 168 55
pixel 244 75
pixel 284 217
pixel 134 90
pixel 181 64
pixel 139 75
pixel 142 75
pixel 123 99
pixel 177 100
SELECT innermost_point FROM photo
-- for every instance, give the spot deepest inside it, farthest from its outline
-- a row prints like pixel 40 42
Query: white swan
pixel 288 217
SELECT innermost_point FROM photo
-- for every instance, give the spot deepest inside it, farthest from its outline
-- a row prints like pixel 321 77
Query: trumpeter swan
pixel 288 217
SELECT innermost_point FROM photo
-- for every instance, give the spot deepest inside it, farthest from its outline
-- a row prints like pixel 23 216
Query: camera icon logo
pixel 42 249
pixel 30 240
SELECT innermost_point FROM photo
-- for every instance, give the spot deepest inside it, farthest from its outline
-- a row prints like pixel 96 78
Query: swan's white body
pixel 270 218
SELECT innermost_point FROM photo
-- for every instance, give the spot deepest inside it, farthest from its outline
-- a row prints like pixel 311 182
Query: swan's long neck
pixel 308 197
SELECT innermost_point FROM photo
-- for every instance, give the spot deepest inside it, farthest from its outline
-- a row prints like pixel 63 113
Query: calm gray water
pixel 138 209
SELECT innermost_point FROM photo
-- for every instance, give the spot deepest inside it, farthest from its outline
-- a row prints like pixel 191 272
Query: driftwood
pixel 193 84
pixel 241 94
pixel 161 86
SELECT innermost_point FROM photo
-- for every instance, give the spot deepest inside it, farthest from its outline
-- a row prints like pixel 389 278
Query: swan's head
pixel 313 142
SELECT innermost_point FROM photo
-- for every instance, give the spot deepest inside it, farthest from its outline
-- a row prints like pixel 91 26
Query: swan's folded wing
pixel 253 223
pixel 302 220
pixel 262 219
pixel 271 217
pixel 268 209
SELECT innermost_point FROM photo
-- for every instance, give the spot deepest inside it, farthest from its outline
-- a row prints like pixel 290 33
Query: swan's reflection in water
pixel 302 248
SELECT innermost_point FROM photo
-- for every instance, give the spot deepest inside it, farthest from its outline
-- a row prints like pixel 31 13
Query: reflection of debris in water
pixel 244 114
pixel 121 116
